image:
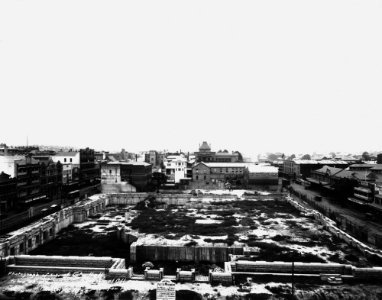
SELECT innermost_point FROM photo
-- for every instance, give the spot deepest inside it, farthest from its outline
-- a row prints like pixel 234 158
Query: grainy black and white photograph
pixel 190 150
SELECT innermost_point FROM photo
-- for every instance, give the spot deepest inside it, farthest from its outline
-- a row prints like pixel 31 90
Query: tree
pixel 292 156
pixel 366 156
pixel 306 156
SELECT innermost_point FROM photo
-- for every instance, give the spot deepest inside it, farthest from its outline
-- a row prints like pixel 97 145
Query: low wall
pixel 134 198
pixel 139 253
pixel 28 238
pixel 65 264
pixel 286 267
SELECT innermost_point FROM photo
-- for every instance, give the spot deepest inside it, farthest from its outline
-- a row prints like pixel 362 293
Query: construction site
pixel 213 245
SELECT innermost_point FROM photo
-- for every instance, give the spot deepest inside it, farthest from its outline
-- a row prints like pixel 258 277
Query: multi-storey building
pixel 219 172
pixel 262 174
pixel 137 174
pixel 206 155
pixel 8 193
pixel 28 182
pixel 70 161
pixel 81 174
pixel 176 168
pixel 302 168
pixel 152 157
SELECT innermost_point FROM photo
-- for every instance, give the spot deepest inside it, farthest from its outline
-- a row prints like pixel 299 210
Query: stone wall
pixel 134 198
pixel 139 253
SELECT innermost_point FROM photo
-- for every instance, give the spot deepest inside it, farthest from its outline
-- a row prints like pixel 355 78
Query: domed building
pixel 206 155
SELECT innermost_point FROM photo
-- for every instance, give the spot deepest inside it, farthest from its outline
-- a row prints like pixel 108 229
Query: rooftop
pixel 224 165
pixel 319 162
pixel 135 163
pixel 351 174
pixel 68 153
pixel 327 169
pixel 366 166
pixel 205 146
pixel 262 169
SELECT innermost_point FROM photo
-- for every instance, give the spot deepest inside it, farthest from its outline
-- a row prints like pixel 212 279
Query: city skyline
pixel 297 77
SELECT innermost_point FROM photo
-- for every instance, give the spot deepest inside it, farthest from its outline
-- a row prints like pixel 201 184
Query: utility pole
pixel 292 276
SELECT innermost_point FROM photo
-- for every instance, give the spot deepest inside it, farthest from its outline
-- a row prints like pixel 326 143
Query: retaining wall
pixel 139 253
pixel 134 198
pixel 65 264
pixel 28 238
pixel 331 226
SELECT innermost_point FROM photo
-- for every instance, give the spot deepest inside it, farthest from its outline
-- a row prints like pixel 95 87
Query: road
pixel 354 216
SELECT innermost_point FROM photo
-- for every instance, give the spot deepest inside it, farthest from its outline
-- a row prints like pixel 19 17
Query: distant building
pixel 70 162
pixel 152 157
pixel 90 173
pixel 262 175
pixel 219 172
pixel 206 155
pixel 298 168
pixel 8 193
pixel 323 177
pixel 176 168
pixel 50 178
pixel 81 173
pixel 137 174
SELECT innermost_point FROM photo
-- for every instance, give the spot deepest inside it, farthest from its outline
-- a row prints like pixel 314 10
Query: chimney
pixel 5 150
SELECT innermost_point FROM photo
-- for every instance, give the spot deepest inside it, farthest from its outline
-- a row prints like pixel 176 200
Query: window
pixel 29 243
pixel 205 177
pixel 21 247
pixel 196 177
pixel 70 160
pixel 64 159
pixel 110 172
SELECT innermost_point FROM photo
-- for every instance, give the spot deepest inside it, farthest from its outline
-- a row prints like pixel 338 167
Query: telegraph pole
pixel 292 277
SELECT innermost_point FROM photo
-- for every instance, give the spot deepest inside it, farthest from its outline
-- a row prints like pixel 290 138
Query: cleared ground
pixel 274 230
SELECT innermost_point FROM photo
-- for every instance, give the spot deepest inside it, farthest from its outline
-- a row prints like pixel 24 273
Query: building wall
pixel 201 172
pixel 7 164
pixel 138 175
pixel 263 178
pixel 8 194
pixel 176 169
pixel 67 159
pixel 110 173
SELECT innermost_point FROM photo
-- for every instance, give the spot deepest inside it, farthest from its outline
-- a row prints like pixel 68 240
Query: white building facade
pixel 176 168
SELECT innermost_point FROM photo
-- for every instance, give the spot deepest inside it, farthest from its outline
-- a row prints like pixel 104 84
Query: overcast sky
pixel 255 76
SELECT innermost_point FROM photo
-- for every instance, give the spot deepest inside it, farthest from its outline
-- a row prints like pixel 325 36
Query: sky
pixel 254 76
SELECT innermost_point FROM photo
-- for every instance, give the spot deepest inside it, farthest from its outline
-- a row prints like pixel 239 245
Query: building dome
pixel 204 147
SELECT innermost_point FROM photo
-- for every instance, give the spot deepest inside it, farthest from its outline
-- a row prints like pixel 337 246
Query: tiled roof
pixel 325 169
pixel 351 174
